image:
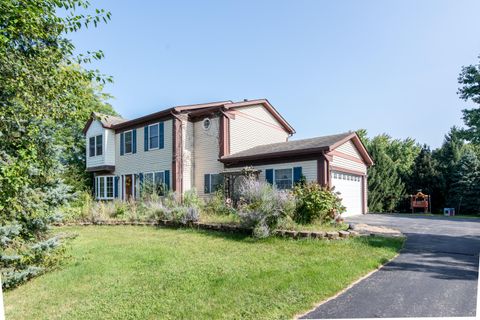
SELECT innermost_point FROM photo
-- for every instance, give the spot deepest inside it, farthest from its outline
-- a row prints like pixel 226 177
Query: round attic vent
pixel 206 123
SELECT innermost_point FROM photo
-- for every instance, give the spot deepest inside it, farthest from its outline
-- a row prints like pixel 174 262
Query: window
pixel 213 182
pixel 153 136
pixel 104 187
pixel 284 178
pixel 128 142
pixel 91 147
pixel 95 146
pixel 206 123
pixel 153 182
pixel 99 145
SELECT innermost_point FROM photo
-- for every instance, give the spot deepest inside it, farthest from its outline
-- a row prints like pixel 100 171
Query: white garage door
pixel 350 188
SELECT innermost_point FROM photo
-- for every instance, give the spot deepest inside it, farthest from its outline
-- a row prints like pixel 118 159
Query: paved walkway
pixel 435 275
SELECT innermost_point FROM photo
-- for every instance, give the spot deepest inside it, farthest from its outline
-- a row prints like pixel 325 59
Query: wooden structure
pixel 421 201
pixel 233 179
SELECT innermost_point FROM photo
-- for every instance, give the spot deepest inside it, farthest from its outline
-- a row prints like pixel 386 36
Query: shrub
pixel 315 203
pixel 263 206
pixel 218 205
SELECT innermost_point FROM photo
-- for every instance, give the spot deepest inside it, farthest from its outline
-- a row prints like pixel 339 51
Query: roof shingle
pixel 317 143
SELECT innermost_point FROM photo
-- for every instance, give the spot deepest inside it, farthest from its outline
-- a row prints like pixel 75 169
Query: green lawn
pixel 127 272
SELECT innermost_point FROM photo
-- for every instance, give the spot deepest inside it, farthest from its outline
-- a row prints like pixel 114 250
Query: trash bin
pixel 448 212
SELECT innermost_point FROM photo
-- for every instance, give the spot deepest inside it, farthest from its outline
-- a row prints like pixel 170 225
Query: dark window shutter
pixel 269 175
pixel 134 141
pixel 297 174
pixel 145 138
pixel 161 135
pixel 115 187
pixel 206 183
pixel 167 179
pixel 122 144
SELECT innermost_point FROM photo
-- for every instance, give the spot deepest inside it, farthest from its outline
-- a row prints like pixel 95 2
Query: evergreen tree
pixel 384 183
pixel 464 194
pixel 425 177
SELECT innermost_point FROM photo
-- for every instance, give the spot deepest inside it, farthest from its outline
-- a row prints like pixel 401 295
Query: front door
pixel 128 186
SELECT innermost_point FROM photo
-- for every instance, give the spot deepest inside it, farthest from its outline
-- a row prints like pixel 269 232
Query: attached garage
pixel 349 186
pixel 338 161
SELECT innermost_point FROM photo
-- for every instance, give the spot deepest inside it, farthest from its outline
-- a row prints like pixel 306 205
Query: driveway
pixel 435 274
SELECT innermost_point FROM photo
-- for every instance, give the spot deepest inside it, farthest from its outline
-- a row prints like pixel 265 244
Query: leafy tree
pixel 43 92
pixel 465 190
pixel 469 79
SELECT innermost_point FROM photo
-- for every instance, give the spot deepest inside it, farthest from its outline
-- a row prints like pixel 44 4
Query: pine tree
pixel 464 193
pixel 384 184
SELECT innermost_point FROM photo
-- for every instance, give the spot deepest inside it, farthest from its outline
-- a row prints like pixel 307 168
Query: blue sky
pixel 327 66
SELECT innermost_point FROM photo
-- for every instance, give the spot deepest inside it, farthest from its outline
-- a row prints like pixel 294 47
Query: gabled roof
pixel 322 144
pixel 107 121
pixel 196 110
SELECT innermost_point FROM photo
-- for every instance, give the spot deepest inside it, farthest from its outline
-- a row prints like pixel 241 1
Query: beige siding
pixel 108 154
pixel 145 161
pixel 187 154
pixel 254 126
pixel 309 168
pixel 206 150
pixel 349 149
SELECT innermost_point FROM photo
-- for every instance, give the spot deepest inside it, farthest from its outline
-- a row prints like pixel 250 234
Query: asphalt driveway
pixel 435 275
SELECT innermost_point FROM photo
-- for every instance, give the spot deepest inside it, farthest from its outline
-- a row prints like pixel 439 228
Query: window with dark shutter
pixel 91 147
pixel 153 136
pixel 128 142
pixel 99 145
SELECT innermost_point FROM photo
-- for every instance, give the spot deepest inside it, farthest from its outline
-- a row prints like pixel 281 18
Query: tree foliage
pixel 44 97
pixel 465 189
pixel 469 79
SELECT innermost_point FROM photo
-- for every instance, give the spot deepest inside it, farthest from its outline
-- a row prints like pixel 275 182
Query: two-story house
pixel 187 147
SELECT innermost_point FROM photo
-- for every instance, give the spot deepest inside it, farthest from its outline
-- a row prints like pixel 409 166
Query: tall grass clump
pixel 263 206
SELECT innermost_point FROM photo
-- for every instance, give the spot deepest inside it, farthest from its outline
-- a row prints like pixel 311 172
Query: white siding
pixel 254 126
pixel 349 149
pixel 206 150
pixel 108 154
pixel 187 154
pixel 145 161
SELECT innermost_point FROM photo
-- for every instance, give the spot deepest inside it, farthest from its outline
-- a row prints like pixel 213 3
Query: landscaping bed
pixel 128 272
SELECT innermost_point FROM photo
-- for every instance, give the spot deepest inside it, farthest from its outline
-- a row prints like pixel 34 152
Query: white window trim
pixel 97 185
pixel 95 146
pixel 275 176
pixel 125 142
pixel 154 174
pixel 158 137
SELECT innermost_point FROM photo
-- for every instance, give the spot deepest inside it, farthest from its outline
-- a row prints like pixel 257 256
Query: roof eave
pixel 274 155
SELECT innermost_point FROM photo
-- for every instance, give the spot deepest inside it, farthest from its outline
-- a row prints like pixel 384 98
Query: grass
pixel 128 272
